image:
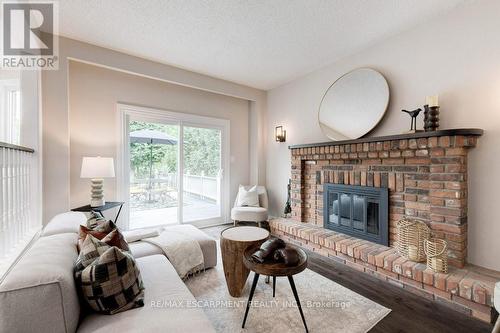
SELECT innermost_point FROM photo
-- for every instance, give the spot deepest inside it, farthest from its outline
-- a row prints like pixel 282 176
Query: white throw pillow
pixel 248 198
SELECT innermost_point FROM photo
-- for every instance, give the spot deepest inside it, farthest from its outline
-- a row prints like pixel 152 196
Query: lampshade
pixel 97 167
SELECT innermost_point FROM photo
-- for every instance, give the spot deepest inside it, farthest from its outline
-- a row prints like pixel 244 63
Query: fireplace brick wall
pixel 426 178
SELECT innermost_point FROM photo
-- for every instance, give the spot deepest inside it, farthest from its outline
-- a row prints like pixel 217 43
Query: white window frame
pixel 10 133
pixel 127 111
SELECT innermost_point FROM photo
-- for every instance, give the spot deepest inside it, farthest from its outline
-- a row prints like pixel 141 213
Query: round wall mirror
pixel 354 104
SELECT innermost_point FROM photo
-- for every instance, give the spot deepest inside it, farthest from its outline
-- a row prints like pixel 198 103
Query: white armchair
pixel 252 214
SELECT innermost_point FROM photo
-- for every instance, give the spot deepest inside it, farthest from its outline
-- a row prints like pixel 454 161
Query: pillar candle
pixel 432 100
pixel 412 252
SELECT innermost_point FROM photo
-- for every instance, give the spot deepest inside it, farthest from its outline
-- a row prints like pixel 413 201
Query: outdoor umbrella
pixel 151 137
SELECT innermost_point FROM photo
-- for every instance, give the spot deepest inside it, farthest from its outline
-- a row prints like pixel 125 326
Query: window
pixel 10 104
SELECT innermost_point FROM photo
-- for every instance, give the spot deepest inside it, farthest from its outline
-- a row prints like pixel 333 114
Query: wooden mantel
pixel 445 132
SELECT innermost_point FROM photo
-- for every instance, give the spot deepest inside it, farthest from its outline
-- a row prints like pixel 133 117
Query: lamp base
pixel 97 203
pixel 97 193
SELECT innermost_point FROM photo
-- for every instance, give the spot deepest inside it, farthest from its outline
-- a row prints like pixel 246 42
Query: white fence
pixel 17 206
pixel 205 187
pixel 201 186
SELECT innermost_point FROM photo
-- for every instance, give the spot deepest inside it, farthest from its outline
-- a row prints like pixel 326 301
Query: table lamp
pixel 97 168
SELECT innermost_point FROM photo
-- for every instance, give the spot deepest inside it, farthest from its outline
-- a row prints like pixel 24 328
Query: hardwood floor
pixel 410 313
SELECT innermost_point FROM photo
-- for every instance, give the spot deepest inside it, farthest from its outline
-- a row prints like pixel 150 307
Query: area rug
pixel 327 306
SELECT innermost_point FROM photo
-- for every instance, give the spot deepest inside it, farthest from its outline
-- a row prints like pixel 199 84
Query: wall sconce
pixel 280 134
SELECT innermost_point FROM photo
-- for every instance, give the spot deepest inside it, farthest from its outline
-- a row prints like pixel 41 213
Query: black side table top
pixel 100 209
pixel 273 268
pixel 108 205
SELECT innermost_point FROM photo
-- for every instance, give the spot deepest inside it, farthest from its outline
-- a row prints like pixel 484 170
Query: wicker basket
pixel 411 236
pixel 437 256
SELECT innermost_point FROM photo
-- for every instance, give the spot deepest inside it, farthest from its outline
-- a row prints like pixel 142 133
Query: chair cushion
pixel 254 214
pixel 208 245
pixel 68 222
pixel 164 289
pixel 39 294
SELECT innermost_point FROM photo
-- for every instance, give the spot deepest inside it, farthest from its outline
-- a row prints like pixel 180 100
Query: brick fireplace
pixel 426 174
pixel 426 178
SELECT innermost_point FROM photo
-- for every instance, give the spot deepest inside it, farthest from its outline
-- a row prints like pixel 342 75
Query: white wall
pixel 456 56
pixel 56 132
pixel 93 95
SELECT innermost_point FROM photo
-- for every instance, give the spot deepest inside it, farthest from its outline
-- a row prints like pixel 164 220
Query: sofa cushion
pixel 112 283
pixel 208 245
pixel 142 249
pixel 39 294
pixel 68 222
pixel 164 290
pixel 136 235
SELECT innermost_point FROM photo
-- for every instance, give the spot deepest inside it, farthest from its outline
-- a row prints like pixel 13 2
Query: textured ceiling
pixel 259 43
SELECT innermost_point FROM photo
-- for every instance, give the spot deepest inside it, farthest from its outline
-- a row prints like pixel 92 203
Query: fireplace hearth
pixel 357 211
pixel 424 176
pixel 424 173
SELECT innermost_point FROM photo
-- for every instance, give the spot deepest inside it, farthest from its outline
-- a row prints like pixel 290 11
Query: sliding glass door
pixel 202 173
pixel 173 168
pixel 153 187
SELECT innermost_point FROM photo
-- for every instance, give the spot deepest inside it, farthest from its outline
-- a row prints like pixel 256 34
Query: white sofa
pixel 39 293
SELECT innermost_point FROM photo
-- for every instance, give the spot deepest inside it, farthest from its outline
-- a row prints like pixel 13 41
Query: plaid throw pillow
pixel 116 238
pixel 112 283
pixel 94 219
pixel 107 232
pixel 105 226
pixel 91 249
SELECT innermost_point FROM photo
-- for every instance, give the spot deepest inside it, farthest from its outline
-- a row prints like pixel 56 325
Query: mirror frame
pixel 343 137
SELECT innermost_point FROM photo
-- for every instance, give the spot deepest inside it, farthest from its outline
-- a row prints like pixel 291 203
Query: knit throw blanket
pixel 182 251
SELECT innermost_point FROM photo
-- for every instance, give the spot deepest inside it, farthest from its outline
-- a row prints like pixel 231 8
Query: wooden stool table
pixel 233 243
pixel 274 269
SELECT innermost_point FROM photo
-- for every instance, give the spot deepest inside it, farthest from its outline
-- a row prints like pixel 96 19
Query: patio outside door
pixel 153 186
pixel 173 168
pixel 202 177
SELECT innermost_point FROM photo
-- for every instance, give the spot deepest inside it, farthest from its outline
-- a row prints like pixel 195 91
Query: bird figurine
pixel 413 114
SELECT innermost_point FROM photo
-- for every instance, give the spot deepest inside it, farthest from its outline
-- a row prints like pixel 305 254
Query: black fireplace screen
pixel 358 211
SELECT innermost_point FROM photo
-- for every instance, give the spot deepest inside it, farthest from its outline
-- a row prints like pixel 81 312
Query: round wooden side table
pixel 233 242
pixel 274 269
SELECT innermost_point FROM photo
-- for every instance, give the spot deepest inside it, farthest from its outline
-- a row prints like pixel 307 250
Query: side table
pixel 233 242
pixel 100 209
pixel 274 269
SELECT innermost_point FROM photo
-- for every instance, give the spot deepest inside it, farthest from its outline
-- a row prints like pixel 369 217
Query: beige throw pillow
pixel 248 198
